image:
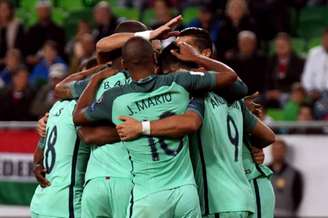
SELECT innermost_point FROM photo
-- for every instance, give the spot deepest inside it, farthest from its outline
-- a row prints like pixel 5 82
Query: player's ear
pixel 207 52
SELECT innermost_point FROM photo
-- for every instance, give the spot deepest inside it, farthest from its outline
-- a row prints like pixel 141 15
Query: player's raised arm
pixel 117 40
pixel 63 89
pixel 98 135
pixel 225 76
pixel 88 96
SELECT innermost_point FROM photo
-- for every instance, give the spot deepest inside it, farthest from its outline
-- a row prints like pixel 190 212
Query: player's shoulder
pixel 61 108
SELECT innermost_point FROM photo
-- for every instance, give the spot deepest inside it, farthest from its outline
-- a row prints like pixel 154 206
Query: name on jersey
pixel 149 102
pixel 217 101
pixel 117 84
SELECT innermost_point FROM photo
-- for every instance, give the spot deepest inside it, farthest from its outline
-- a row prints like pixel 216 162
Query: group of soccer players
pixel 157 128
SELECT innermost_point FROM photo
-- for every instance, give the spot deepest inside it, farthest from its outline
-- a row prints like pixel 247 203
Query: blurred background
pixel 278 47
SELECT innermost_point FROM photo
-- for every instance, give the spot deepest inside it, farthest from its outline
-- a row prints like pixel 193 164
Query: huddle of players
pixel 135 158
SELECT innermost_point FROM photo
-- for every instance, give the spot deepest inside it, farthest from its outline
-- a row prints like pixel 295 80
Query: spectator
pixel 305 113
pixel 284 69
pixel 11 30
pixel 287 182
pixel 83 27
pixel 163 13
pixel 45 97
pixel 12 61
pixel 292 108
pixel 105 20
pixel 50 56
pixel 86 50
pixel 249 62
pixel 44 30
pixel 17 98
pixel 236 19
pixel 207 20
pixel 315 74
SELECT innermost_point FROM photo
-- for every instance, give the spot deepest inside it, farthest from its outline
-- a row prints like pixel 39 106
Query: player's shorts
pixel 182 202
pixel 235 214
pixel 265 198
pixel 106 197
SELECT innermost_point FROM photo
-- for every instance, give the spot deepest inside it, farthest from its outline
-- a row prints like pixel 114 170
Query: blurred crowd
pixel 292 87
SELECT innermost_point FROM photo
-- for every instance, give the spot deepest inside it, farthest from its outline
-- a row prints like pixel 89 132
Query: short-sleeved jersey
pixel 252 169
pixel 110 159
pixel 216 151
pixel 65 160
pixel 158 163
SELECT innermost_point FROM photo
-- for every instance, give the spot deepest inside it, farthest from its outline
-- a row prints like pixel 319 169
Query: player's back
pixel 217 158
pixel 158 163
pixel 65 160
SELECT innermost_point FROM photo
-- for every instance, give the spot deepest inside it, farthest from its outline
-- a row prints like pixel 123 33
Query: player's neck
pixel 141 74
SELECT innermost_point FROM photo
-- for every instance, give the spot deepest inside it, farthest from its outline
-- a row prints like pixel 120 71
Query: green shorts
pixel 182 202
pixel 106 197
pixel 265 198
pixel 237 214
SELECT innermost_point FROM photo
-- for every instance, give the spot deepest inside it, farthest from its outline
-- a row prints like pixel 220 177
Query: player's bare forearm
pixel 176 126
pixel 38 156
pixel 63 90
pixel 98 135
pixel 113 42
pixel 234 92
pixel 225 75
pixel 88 96
pixel 262 135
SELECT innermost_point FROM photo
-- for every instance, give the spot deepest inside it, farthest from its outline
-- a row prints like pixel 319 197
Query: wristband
pixel 143 34
pixel 36 165
pixel 145 127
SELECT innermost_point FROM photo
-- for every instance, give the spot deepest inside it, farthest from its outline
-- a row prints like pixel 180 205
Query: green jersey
pixel 65 160
pixel 158 164
pixel 110 159
pixel 217 155
pixel 252 169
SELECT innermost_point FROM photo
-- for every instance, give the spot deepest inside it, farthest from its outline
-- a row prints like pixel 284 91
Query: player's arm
pixel 260 134
pixel 175 126
pixel 98 135
pixel 86 99
pixel 38 169
pixel 63 89
pixel 117 40
pixel 224 76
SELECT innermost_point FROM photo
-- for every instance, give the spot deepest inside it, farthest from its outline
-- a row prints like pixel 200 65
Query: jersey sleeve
pixel 250 120
pixel 77 87
pixel 196 81
pixel 197 105
pixel 100 109
pixel 234 92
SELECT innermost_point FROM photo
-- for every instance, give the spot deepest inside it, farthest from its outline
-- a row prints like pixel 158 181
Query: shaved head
pixel 138 54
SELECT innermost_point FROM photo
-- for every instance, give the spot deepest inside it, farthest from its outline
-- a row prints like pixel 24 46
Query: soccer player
pixel 177 126
pixel 108 176
pixel 65 160
pixel 163 180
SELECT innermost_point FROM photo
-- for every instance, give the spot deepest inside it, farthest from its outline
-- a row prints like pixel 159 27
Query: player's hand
pixel 165 31
pixel 39 173
pixel 130 129
pixel 258 155
pixel 42 123
pixel 186 52
pixel 251 105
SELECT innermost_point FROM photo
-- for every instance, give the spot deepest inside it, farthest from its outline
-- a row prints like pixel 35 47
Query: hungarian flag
pixel 17 183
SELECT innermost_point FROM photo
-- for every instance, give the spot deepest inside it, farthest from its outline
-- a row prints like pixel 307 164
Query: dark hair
pixel 168 60
pixel 167 3
pixel 129 26
pixel 52 44
pixel 137 52
pixel 202 38
pixel 283 36
pixel 20 68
